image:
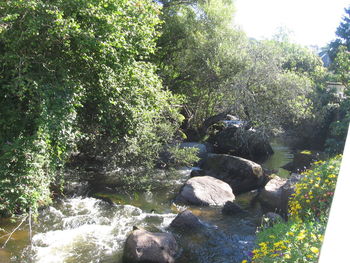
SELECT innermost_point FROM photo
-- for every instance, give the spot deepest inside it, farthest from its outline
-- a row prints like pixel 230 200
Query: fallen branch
pixel 13 231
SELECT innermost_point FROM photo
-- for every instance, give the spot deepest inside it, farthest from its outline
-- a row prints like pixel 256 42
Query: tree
pixel 343 33
pixel 197 51
pixel 74 77
pixel 272 90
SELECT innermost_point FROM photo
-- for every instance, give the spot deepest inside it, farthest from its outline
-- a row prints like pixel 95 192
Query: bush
pixel 314 193
pixel 300 242
pixel 300 239
pixel 75 77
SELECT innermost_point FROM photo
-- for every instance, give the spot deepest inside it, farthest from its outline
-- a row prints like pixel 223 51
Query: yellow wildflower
pixel 301 235
pixel 314 250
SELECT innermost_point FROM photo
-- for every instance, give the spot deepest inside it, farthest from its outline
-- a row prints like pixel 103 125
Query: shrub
pixel 74 76
pixel 300 239
pixel 314 193
pixel 293 241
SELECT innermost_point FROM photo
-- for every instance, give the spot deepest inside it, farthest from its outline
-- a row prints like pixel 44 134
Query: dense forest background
pixel 120 81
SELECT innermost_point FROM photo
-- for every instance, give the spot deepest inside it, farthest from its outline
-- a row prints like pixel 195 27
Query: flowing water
pixel 86 229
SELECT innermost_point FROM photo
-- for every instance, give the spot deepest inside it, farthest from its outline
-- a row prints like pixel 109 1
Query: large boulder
pixel 241 142
pixel 271 195
pixel 241 174
pixel 144 247
pixel 204 191
pixel 186 221
pixel 276 193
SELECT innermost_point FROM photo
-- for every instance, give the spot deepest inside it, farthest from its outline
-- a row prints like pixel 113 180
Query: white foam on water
pixel 88 230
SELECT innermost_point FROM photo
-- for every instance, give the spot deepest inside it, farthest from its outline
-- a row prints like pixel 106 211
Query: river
pixel 87 229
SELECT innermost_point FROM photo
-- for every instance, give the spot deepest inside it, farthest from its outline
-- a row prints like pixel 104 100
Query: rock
pixel 186 221
pixel 204 191
pixel 270 218
pixel 271 195
pixel 288 189
pixel 197 172
pixel 277 191
pixel 231 208
pixel 144 246
pixel 241 174
pixel 202 148
pixel 302 160
pixel 231 117
pixel 238 141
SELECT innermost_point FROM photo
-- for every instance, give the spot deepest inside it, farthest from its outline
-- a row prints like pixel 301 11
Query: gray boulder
pixel 276 193
pixel 238 141
pixel 241 174
pixel 204 191
pixel 271 195
pixel 186 221
pixel 143 246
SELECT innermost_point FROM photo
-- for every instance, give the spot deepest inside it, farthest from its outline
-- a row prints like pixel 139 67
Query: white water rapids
pixel 88 230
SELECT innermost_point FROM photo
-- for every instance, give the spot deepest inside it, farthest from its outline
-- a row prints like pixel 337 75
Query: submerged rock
pixel 231 208
pixel 186 221
pixel 142 246
pixel 241 174
pixel 204 191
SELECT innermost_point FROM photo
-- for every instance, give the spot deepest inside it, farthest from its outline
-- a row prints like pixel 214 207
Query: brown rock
pixel 143 246
pixel 241 174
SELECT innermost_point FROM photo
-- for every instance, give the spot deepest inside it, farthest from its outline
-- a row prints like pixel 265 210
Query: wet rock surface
pixel 186 221
pixel 231 208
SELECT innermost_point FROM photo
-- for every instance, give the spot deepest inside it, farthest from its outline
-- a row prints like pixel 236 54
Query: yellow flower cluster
pixel 299 239
pixel 313 194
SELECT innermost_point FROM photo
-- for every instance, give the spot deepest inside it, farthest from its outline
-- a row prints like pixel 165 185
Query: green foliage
pixel 182 157
pixel 300 239
pixel 343 39
pixel 338 129
pixel 203 57
pixel 198 51
pixel 272 90
pixel 290 242
pixel 74 77
pixel 314 193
